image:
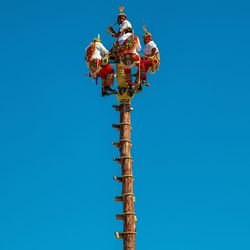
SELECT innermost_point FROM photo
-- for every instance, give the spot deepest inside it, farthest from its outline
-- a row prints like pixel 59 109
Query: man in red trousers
pixel 151 55
pixel 97 61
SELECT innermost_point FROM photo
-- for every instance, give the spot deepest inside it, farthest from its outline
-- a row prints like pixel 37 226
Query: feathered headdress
pixel 97 39
pixel 121 12
pixel 146 33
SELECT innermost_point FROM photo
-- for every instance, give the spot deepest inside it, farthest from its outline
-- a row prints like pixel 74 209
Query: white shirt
pixel 122 39
pixel 100 51
pixel 124 25
pixel 148 49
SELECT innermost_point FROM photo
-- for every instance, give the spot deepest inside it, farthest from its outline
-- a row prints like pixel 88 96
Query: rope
pixel 128 194
pixel 125 140
pixel 125 176
pixel 126 157
pixel 125 123
pixel 128 213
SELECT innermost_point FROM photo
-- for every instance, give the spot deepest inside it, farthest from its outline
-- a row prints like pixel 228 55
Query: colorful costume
pixel 126 48
pixel 151 56
pixel 128 54
pixel 97 61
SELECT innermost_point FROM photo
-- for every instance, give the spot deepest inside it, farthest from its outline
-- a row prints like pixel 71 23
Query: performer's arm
pixel 153 51
pixel 112 31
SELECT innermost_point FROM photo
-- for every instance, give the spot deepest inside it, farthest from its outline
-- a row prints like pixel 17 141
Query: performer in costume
pixel 126 47
pixel 151 56
pixel 125 25
pixel 97 61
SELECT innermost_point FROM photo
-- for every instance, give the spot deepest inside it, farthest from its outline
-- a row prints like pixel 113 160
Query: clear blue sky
pixel 191 128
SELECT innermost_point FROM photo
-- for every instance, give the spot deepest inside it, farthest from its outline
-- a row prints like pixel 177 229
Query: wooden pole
pixel 128 198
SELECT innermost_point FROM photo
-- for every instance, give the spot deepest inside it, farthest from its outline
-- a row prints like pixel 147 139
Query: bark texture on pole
pixel 128 199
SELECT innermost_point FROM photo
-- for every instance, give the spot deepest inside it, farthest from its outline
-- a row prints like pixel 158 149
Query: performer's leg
pixel 145 65
pixel 104 91
pixel 142 71
pixel 128 76
pixel 141 76
pixel 107 73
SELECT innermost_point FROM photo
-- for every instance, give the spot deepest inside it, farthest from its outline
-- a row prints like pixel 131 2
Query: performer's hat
pixel 97 39
pixel 122 14
pixel 146 33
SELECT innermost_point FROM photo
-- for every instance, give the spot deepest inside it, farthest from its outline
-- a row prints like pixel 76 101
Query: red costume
pixel 151 56
pixel 97 61
pixel 126 49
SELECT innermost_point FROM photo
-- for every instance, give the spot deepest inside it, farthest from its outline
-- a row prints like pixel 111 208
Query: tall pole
pixel 128 199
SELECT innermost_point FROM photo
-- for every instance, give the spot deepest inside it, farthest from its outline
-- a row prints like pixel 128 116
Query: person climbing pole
pixel 96 57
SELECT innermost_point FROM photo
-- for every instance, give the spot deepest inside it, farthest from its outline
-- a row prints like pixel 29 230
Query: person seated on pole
pixel 151 55
pixel 150 60
pixel 125 30
pixel 124 25
pixel 96 57
pixel 126 47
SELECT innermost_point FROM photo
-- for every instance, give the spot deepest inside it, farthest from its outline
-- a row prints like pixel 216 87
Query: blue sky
pixel 191 128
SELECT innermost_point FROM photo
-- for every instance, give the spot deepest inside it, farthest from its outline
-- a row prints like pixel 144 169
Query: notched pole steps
pixel 127 197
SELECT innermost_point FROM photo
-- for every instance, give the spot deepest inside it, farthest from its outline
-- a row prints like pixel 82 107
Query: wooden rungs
pixel 125 140
pixel 126 157
pixel 125 123
pixel 118 198
pixel 119 179
pixel 119 235
pixel 116 107
pixel 116 126
pixel 116 144
pixel 120 217
pixel 118 160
